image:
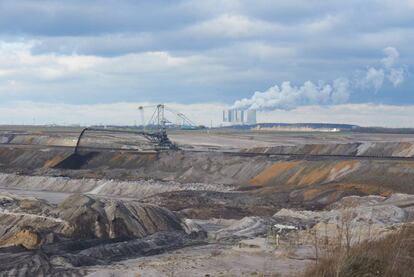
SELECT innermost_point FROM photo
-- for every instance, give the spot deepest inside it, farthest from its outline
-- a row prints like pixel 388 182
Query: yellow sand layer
pixel 264 177
pixel 303 174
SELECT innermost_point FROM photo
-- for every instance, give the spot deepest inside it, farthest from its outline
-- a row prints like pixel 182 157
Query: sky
pixel 95 62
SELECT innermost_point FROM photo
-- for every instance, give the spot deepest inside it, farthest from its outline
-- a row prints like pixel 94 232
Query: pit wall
pixel 317 177
pixel 6 138
pixel 46 140
pixel 260 172
pixel 30 159
pixel 377 149
pixel 184 167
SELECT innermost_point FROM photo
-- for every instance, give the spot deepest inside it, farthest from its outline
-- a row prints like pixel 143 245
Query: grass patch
pixel 387 257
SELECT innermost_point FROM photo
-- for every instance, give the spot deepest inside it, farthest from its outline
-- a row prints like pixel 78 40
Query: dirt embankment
pixel 218 168
pixel 259 171
pixel 138 189
pixel 369 176
pixel 301 184
pixel 181 166
pixel 44 139
pixel 198 184
pixel 6 138
pixel 375 149
pixel 23 159
pixel 328 181
pixel 84 230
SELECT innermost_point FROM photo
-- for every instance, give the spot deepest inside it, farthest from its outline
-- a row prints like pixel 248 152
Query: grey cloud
pixel 76 17
pixel 296 40
pixel 102 45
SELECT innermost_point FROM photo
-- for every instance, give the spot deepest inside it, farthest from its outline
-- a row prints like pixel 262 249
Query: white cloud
pixel 264 51
pixel 17 61
pixel 324 24
pixel 71 74
pixel 76 78
pixel 232 26
pixel 114 113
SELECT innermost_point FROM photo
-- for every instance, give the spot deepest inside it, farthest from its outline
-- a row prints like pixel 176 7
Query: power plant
pixel 239 117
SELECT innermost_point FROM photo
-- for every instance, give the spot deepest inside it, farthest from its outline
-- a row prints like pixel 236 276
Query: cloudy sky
pixel 94 62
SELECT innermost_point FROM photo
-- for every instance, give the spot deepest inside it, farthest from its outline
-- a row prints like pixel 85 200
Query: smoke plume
pixel 374 77
pixel 288 96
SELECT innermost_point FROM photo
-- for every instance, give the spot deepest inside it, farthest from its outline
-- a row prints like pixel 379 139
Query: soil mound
pixel 31 223
pixel 38 239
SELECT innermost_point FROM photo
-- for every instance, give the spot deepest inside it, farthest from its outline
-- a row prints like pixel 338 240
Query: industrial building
pixel 238 116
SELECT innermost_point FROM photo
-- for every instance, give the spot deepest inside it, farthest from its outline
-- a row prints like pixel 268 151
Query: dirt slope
pixel 79 217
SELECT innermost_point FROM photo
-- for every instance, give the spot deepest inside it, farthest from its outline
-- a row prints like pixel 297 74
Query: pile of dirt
pixel 227 205
pixel 32 223
pixel 253 227
pixel 361 218
pixel 108 218
pixel 70 258
pixel 84 230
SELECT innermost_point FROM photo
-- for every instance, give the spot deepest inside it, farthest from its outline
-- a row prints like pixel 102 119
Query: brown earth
pixel 268 183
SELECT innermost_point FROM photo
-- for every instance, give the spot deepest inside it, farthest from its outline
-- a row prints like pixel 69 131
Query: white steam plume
pixel 287 96
pixel 375 77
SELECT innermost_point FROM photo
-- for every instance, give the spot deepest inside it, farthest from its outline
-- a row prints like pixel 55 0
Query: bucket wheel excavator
pixel 155 130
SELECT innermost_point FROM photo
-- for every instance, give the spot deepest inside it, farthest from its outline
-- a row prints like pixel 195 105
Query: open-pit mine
pixel 208 202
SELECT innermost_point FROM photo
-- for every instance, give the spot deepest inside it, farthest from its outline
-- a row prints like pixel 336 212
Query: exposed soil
pixel 119 208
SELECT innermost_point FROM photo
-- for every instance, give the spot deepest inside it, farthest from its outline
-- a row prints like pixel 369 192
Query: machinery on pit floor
pixel 155 130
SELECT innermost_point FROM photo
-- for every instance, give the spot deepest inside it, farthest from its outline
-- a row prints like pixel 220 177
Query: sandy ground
pixel 211 260
pixel 50 196
pixel 248 139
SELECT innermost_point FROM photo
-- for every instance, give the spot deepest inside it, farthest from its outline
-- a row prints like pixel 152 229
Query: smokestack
pixel 251 117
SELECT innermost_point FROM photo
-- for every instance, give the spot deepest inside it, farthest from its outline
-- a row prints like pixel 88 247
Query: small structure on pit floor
pixel 276 231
